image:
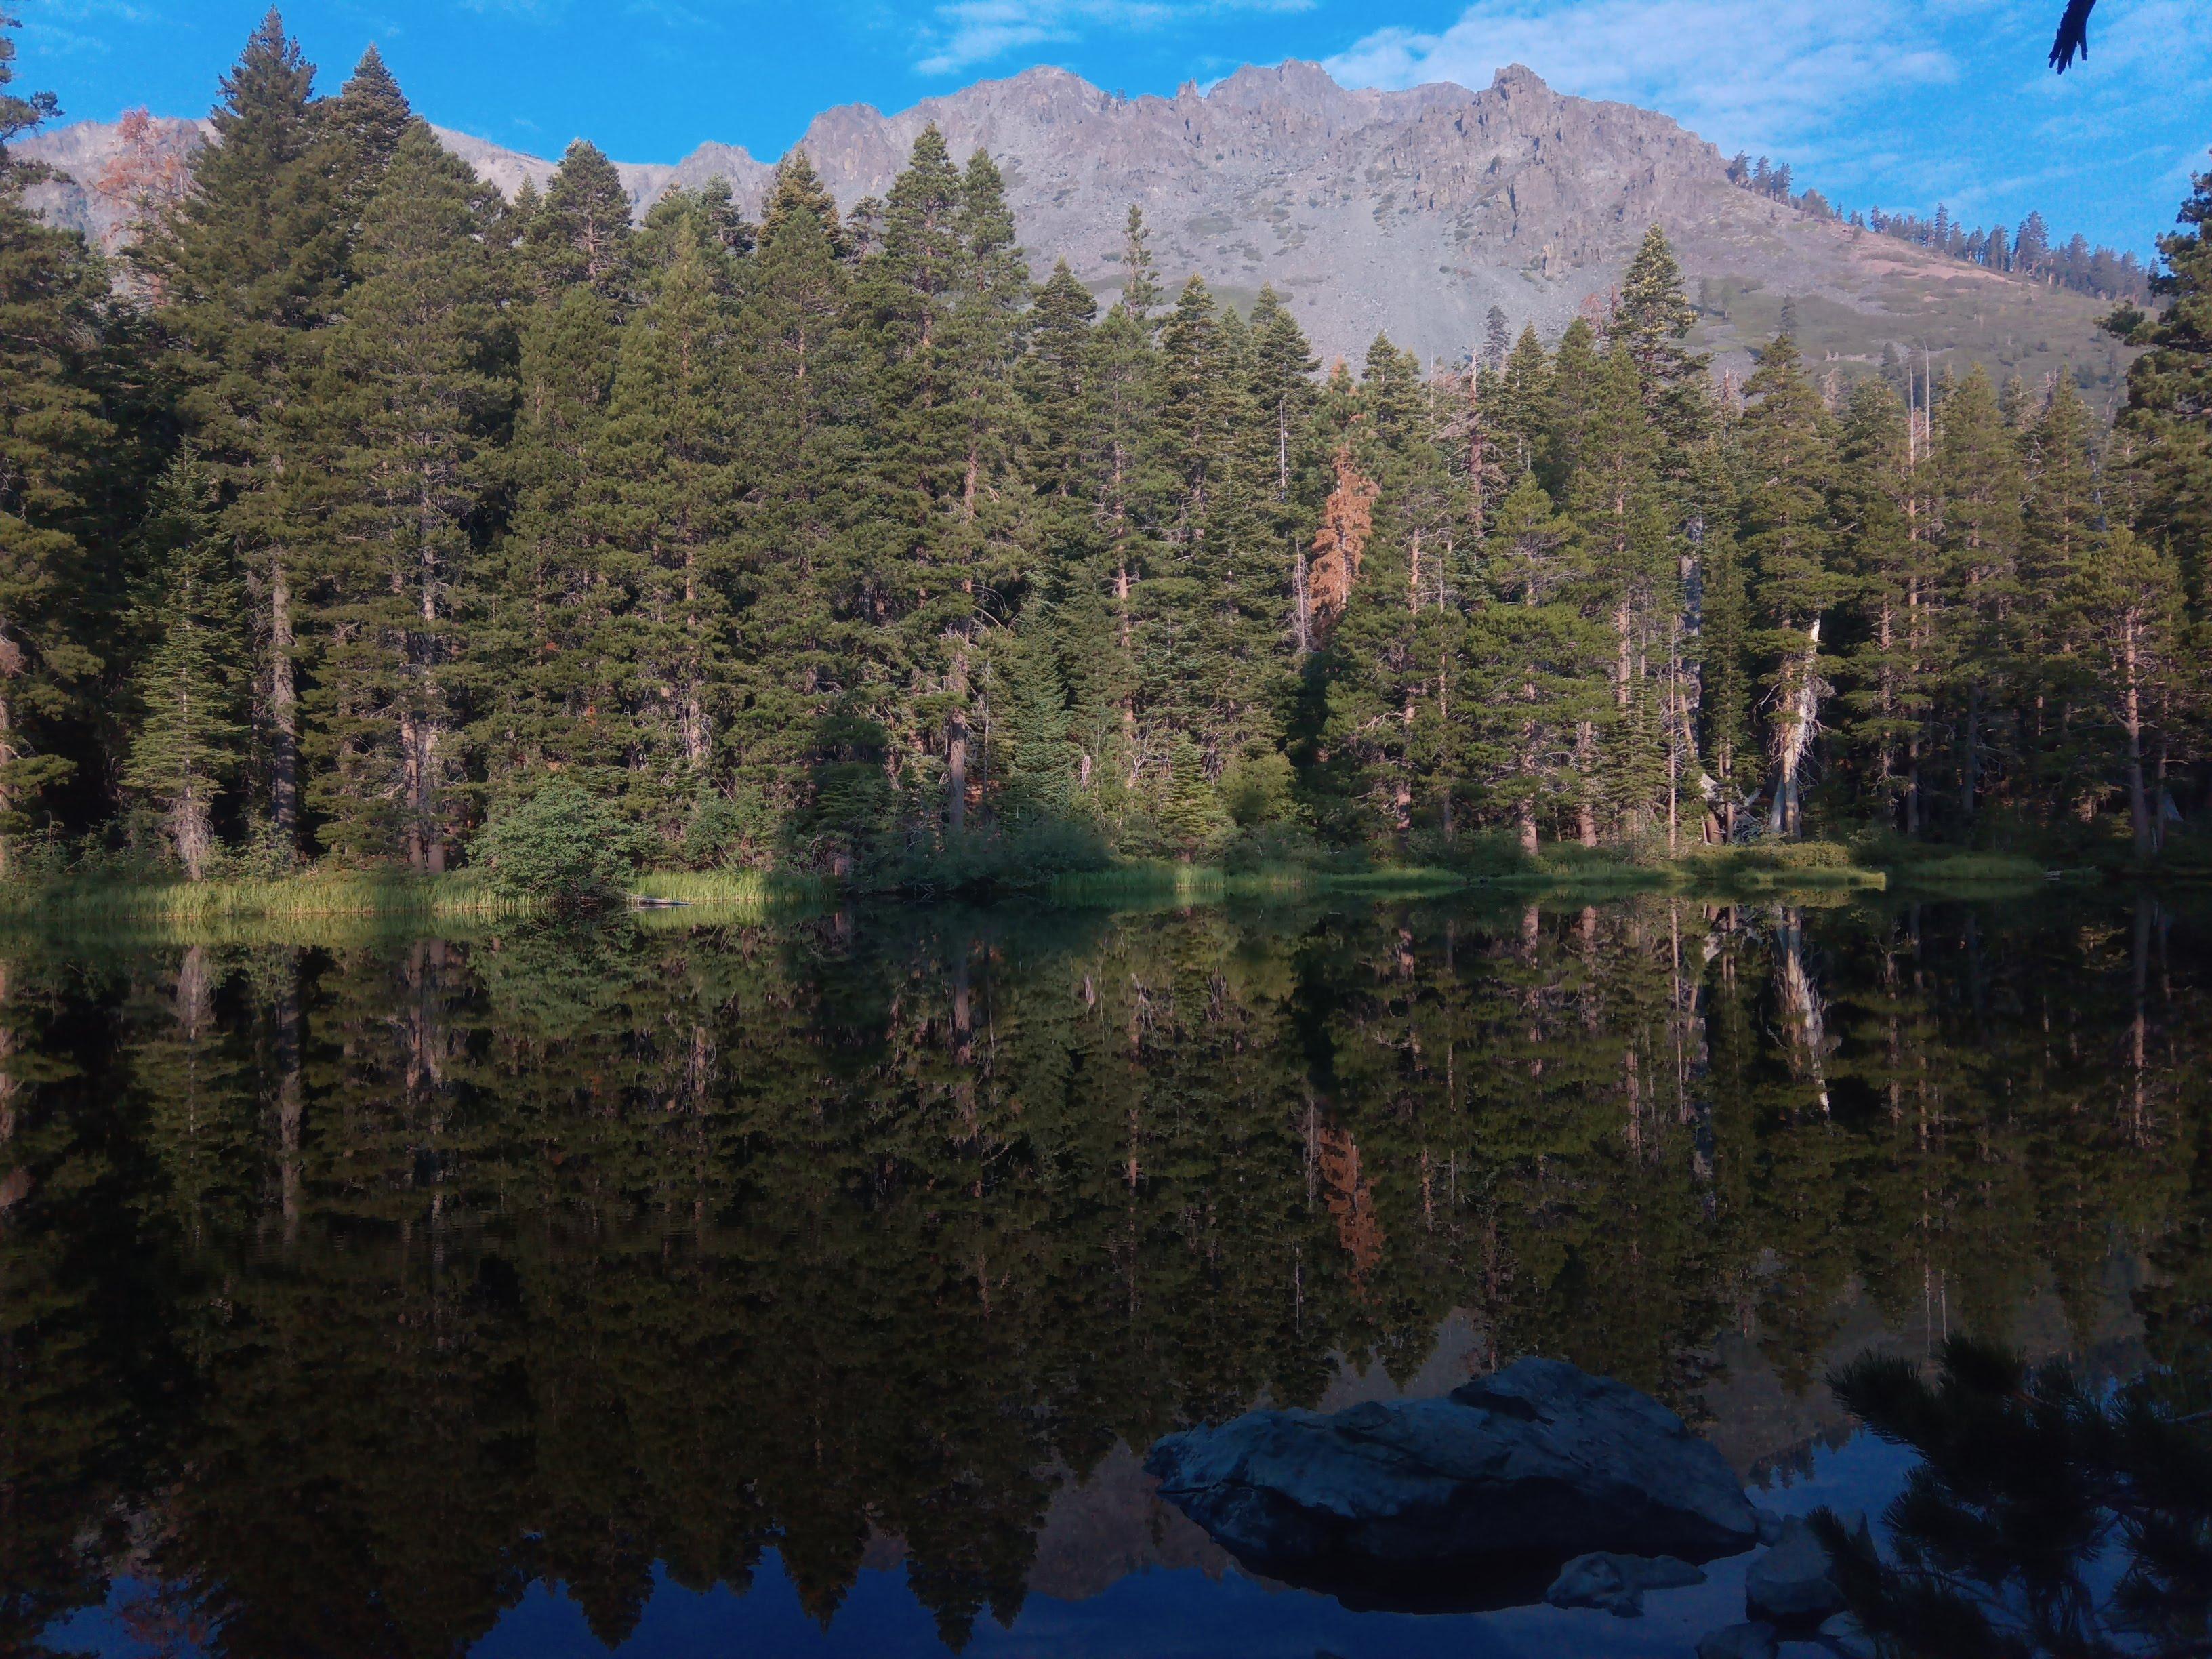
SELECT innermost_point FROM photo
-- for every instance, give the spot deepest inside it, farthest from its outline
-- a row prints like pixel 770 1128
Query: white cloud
pixel 47 24
pixel 967 32
pixel 1747 72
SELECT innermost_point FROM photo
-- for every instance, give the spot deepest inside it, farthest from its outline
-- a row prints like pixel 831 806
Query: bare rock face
pixel 1472 1500
pixel 88 190
pixel 1406 213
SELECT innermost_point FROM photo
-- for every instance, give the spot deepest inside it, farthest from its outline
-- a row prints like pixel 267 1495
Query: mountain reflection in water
pixel 681 1285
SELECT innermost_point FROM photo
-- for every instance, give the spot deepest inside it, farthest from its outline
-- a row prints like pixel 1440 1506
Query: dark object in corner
pixel 2073 35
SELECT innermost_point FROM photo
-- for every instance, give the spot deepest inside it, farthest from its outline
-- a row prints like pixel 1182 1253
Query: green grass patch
pixel 1765 866
pixel 391 896
pixel 312 893
pixel 744 889
pixel 1165 884
pixel 1920 865
pixel 1965 869
pixel 1162 882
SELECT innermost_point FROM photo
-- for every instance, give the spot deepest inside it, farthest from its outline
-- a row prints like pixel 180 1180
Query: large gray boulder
pixel 1473 1499
pixel 1795 1580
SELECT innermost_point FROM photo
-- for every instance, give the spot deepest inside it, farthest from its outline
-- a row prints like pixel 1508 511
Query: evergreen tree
pixel 186 744
pixel 984 339
pixel 1889 696
pixel 1726 670
pixel 2169 393
pixel 1383 529
pixel 1215 613
pixel 1625 582
pixel 1281 462
pixel 1126 484
pixel 1576 376
pixel 803 596
pixel 799 190
pixel 662 502
pixel 2126 603
pixel 1053 387
pixel 538 681
pixel 1651 319
pixel 2061 517
pixel 247 268
pixel 407 411
pixel 1544 683
pixel 1192 817
pixel 364 127
pixel 1789 469
pixel 1523 404
pixel 579 230
pixel 1496 339
pixel 1979 486
pixel 1040 763
pixel 54 440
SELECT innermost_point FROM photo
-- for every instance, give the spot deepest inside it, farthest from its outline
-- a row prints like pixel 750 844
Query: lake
pixel 816 1284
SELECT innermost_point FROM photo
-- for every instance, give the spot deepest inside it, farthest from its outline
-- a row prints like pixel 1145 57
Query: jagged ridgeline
pixel 362 503
pixel 1409 213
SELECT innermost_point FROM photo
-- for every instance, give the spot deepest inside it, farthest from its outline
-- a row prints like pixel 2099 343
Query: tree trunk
pixel 2131 722
pixel 194 836
pixel 1969 785
pixel 1585 765
pixel 283 711
pixel 291 1097
pixel 955 751
pixel 1795 738
pixel 7 755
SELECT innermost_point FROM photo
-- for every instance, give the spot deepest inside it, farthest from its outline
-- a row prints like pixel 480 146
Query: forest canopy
pixel 356 504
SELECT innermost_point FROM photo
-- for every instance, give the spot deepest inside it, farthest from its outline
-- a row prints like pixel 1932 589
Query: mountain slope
pixel 1409 213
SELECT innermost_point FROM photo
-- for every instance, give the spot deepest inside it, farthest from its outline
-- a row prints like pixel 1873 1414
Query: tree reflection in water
pixel 347 1291
pixel 2033 1486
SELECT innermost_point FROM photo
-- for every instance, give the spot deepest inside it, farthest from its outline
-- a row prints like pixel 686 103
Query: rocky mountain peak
pixel 1406 212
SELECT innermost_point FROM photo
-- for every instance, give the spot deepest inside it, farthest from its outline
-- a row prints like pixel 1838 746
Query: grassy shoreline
pixel 391 895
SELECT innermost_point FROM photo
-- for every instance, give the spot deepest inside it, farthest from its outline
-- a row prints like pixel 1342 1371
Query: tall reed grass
pixel 313 893
pixel 746 888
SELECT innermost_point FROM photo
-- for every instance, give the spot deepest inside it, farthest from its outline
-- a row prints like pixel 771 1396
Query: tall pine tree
pixel 410 402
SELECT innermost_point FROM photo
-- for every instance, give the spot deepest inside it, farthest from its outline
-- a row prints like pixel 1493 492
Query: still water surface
pixel 817 1286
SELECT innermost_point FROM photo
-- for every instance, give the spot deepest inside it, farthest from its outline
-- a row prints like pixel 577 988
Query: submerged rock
pixel 1616 1582
pixel 1844 1634
pixel 1738 1642
pixel 1472 1500
pixel 1795 1580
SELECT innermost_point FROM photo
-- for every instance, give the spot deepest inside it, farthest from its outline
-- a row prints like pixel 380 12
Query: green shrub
pixel 1260 789
pixel 1484 853
pixel 1269 846
pixel 1795 855
pixel 728 832
pixel 1012 856
pixel 563 845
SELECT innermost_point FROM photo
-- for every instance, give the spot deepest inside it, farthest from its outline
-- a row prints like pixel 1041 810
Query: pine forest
pixel 352 508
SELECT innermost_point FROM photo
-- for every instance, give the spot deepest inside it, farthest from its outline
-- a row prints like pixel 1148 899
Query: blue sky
pixel 1895 103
